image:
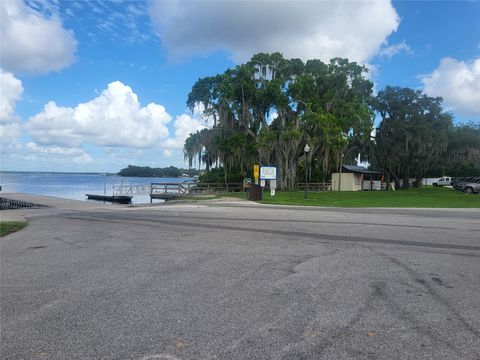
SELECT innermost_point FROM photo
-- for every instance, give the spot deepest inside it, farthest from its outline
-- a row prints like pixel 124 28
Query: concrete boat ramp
pixel 239 280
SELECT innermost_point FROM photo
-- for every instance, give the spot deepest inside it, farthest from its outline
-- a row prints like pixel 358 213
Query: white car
pixel 444 181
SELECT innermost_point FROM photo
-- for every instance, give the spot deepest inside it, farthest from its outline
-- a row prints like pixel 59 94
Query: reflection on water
pixel 74 186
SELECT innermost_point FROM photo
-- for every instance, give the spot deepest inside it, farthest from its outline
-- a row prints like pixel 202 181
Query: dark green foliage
pixel 417 139
pixel 146 171
pixel 331 107
pixel 462 156
pixel 412 135
pixel 217 175
pixel 325 105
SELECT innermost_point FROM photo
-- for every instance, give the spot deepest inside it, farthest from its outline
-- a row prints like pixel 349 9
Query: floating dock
pixel 118 199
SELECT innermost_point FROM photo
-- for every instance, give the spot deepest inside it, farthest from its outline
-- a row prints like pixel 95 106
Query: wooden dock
pixel 164 196
pixel 118 199
pixel 169 190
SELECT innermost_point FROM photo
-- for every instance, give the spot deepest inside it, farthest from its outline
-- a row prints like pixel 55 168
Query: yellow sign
pixel 256 171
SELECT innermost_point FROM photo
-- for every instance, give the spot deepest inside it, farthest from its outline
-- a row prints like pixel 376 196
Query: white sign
pixel 272 192
pixel 273 184
pixel 262 183
pixel 268 173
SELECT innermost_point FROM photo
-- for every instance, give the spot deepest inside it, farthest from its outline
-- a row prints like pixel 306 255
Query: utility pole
pixel 306 149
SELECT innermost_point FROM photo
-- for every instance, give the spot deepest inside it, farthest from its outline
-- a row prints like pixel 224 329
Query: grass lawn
pixel 7 227
pixel 427 197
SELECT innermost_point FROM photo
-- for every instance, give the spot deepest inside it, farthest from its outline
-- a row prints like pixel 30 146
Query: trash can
pixel 255 193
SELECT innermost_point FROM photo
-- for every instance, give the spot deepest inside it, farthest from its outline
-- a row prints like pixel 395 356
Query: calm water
pixel 73 186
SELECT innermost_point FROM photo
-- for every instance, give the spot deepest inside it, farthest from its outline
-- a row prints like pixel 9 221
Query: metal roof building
pixel 357 178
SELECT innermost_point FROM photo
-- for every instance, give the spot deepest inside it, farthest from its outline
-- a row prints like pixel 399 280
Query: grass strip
pixel 425 197
pixel 8 227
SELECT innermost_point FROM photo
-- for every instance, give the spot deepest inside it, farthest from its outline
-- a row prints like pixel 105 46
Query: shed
pixel 357 178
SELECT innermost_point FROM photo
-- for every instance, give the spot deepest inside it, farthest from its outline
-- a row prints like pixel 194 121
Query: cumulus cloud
pixel 395 49
pixel 305 29
pixel 77 155
pixel 32 42
pixel 184 125
pixel 9 131
pixel 114 118
pixel 458 83
pixel 11 90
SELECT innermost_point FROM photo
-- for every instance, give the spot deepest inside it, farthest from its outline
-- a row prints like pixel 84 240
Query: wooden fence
pixel 238 187
pixel 321 186
pixel 202 188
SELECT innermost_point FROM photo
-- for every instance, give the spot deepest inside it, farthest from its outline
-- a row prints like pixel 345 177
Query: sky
pixel 93 86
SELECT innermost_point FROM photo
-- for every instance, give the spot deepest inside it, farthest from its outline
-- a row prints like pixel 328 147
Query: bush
pixel 217 175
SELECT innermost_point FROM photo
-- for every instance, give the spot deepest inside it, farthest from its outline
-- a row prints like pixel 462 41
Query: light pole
pixel 306 149
pixel 344 143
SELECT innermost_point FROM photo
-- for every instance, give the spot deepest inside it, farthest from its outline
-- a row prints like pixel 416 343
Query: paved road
pixel 228 281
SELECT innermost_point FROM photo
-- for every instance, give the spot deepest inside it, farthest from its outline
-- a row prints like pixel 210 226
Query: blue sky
pixel 95 86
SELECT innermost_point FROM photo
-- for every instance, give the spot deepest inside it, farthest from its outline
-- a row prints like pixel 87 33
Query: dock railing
pixel 171 188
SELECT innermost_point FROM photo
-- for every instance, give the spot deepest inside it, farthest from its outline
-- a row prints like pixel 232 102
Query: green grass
pixel 426 197
pixel 8 227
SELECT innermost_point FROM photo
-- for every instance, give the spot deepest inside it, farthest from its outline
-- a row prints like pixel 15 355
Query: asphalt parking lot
pixel 234 281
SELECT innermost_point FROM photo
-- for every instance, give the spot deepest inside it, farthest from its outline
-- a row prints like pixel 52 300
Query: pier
pixel 169 191
pixel 123 194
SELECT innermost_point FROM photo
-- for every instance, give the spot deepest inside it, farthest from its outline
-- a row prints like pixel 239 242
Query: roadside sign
pixel 273 184
pixel 272 192
pixel 256 171
pixel 262 183
pixel 268 173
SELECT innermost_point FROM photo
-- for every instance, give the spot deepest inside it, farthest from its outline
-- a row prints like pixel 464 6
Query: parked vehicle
pixel 469 187
pixel 444 181
pixel 461 179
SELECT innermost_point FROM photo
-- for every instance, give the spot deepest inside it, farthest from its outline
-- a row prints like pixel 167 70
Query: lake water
pixel 74 186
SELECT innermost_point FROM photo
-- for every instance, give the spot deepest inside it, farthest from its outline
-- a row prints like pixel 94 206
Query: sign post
pixel 269 173
pixel 256 173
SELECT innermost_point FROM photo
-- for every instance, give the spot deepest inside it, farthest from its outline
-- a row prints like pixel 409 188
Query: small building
pixel 358 178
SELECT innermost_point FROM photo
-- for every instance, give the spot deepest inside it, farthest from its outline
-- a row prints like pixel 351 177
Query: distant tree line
pixel 146 171
pixel 266 110
pixel 417 139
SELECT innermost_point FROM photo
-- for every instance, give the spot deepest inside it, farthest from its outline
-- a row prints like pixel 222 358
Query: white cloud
pixel 395 49
pixel 458 83
pixel 77 155
pixel 11 90
pixel 305 29
pixel 32 42
pixel 9 131
pixel 9 144
pixel 114 118
pixel 185 124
